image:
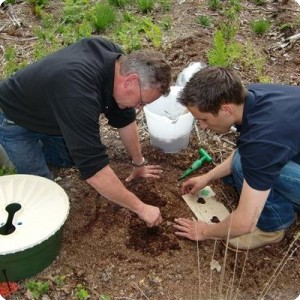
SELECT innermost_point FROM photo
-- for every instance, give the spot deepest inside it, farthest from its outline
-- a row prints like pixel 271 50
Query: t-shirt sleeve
pixel 120 118
pixel 262 162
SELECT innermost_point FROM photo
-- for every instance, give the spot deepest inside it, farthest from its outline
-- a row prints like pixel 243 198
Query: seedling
pixel 205 21
pixel 37 288
pixel 103 16
pixel 81 293
pixel 260 26
pixel 145 5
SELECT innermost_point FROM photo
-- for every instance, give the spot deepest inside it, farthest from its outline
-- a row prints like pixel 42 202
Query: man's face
pixel 134 96
pixel 220 123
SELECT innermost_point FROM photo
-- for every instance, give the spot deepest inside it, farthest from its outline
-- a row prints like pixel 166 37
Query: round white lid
pixel 44 209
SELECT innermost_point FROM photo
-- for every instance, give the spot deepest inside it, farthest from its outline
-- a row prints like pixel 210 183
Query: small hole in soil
pixel 215 219
pixel 201 200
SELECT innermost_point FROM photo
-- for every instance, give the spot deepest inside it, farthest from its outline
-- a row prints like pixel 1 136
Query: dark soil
pixel 111 252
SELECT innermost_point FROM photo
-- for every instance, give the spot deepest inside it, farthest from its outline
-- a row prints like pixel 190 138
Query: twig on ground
pixel 15 21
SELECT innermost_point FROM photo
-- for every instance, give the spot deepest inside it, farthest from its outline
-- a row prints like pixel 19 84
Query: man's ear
pixel 131 79
pixel 227 109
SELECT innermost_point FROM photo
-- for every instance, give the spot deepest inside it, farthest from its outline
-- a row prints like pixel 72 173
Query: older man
pixel 51 108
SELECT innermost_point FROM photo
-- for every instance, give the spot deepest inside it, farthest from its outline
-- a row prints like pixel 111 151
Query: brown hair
pixel 211 87
pixel 152 67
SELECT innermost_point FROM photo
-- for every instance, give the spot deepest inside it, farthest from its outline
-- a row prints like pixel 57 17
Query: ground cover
pixel 107 252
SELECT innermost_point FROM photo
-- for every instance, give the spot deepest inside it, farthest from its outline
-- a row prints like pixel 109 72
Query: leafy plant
pixel 214 4
pixel 118 3
pixel 59 280
pixel 152 32
pixel 74 11
pixel 165 4
pixel 260 26
pixel 37 288
pixel 81 293
pixel 103 16
pixel 10 57
pixel 204 21
pixel 131 33
pixel 145 5
pixel 6 171
pixel 260 2
pixel 166 22
pixel 38 2
pixel 223 53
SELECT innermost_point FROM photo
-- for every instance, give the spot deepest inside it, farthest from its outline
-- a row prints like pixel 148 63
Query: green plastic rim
pixel 28 263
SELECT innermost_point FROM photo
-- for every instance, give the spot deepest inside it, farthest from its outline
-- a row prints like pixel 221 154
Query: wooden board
pixel 205 206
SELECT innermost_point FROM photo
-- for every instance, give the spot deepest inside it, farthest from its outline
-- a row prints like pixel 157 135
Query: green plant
pixel 118 3
pixel 6 171
pixel 166 22
pixel 223 53
pixel 132 33
pixel 260 2
pixel 74 11
pixel 152 32
pixel 165 4
pixel 260 26
pixel 59 280
pixel 37 288
pixel 38 2
pixel 103 16
pixel 81 293
pixel 204 21
pixel 10 57
pixel 145 5
pixel 214 4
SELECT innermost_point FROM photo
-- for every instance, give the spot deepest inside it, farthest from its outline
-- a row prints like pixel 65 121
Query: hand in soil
pixel 151 171
pixel 151 215
pixel 190 229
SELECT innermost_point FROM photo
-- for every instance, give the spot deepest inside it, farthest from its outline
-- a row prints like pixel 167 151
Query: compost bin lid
pixel 44 209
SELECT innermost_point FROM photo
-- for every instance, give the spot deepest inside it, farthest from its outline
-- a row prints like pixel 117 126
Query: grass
pixel 103 16
pixel 260 27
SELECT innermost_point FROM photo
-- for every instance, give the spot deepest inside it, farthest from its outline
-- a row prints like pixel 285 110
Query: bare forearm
pixel 221 170
pixel 106 183
pixel 130 140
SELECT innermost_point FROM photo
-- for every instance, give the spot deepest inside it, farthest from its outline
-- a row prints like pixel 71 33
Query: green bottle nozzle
pixel 204 157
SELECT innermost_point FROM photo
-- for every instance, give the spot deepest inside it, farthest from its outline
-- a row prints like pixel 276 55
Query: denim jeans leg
pixel 278 212
pixel 23 148
pixel 56 152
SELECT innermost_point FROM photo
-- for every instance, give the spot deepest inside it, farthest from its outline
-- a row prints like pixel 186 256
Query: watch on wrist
pixel 143 163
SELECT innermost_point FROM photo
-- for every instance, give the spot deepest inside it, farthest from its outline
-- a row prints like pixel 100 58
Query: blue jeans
pixel 283 200
pixel 30 151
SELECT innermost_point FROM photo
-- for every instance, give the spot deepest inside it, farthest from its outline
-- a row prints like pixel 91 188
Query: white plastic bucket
pixel 169 123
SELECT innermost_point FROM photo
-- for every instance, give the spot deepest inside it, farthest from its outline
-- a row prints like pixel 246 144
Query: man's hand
pixel 147 171
pixel 151 215
pixel 193 185
pixel 191 229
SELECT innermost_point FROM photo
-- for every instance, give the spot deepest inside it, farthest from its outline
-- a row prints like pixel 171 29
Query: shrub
pixel 204 21
pixel 145 5
pixel 103 16
pixel 260 26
